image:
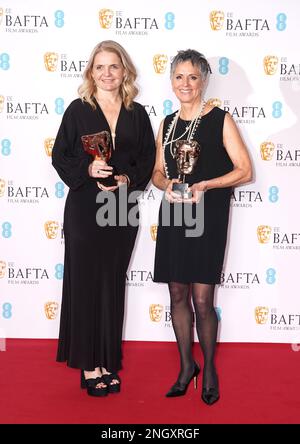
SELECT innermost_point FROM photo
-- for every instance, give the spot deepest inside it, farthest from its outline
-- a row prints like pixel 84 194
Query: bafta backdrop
pixel 254 57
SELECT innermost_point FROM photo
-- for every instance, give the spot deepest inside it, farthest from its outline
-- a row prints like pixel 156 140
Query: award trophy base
pixel 109 181
pixel 182 190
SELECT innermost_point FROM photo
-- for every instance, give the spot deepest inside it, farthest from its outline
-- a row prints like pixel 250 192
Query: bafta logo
pixel 1 15
pixel 105 18
pixel 48 144
pixel 264 234
pixel 214 101
pixel 51 310
pixel 2 269
pixel 261 315
pixel 51 229
pixel 216 19
pixel 155 312
pixel 1 103
pixel 270 64
pixel 267 150
pixel 2 187
pixel 153 231
pixel 50 60
pixel 160 63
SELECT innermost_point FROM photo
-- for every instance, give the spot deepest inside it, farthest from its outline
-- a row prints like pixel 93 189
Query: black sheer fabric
pixel 206 325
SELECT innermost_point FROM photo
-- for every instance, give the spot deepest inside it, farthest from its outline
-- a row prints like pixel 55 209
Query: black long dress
pixel 97 257
pixel 197 259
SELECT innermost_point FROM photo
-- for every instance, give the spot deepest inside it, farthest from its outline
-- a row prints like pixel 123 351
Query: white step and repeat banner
pixel 253 49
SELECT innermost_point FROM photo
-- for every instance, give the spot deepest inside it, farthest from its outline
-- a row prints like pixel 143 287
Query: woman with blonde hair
pixel 106 121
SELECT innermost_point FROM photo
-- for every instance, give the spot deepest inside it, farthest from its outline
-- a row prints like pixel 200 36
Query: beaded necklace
pixel 189 130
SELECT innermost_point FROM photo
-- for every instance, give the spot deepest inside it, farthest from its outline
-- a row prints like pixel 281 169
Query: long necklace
pixel 189 130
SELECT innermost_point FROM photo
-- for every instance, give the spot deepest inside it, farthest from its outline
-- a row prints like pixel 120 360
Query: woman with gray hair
pixel 199 150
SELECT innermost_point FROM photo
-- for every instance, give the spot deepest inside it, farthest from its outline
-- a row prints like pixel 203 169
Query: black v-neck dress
pixel 179 258
pixel 97 257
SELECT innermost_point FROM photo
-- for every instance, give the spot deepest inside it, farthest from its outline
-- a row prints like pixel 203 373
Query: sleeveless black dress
pixel 179 258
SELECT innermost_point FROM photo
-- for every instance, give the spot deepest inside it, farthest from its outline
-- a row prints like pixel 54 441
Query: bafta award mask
pixel 270 64
pixel 160 63
pixel 1 103
pixel 264 233
pixel 186 156
pixel 99 146
pixel 51 309
pixel 106 18
pixel 267 150
pixel 51 229
pixel 2 187
pixel 214 101
pixel 48 144
pixel 261 315
pixel 50 60
pixel 216 20
pixel 2 269
pixel 155 312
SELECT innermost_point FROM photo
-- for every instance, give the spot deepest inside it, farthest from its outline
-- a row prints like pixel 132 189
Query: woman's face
pixel 108 71
pixel 187 82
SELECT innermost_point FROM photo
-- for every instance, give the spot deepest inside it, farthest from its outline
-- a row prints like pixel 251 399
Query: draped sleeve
pixel 68 157
pixel 139 169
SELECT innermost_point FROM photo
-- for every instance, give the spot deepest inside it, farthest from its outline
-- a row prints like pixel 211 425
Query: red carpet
pixel 259 384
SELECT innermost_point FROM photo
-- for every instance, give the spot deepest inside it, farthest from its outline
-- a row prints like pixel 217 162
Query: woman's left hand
pixel 197 191
pixel 121 181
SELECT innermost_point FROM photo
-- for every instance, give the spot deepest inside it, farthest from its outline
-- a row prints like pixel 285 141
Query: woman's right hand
pixel 100 169
pixel 170 195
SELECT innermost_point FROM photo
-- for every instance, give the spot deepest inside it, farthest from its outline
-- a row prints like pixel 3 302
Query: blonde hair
pixel 128 89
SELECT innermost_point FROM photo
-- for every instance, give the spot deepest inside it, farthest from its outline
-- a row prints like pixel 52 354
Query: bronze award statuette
pixel 186 156
pixel 100 147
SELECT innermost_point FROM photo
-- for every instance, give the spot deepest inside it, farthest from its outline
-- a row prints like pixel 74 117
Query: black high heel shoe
pixel 91 385
pixel 108 379
pixel 211 395
pixel 180 388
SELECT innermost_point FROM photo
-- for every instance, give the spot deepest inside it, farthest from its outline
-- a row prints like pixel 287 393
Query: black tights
pixel 206 325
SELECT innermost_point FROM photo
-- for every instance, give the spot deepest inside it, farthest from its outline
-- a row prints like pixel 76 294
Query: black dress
pixel 96 258
pixel 197 259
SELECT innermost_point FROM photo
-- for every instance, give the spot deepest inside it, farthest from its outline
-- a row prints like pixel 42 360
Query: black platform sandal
pixel 109 378
pixel 91 385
